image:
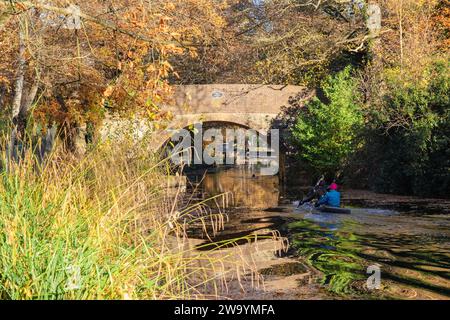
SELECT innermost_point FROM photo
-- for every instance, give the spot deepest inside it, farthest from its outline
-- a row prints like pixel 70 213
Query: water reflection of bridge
pixel 247 187
pixel 250 147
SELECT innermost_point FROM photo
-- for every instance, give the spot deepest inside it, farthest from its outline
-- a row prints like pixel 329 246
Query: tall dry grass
pixel 100 227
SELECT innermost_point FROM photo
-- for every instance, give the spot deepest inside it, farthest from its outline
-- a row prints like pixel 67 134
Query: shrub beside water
pixel 412 155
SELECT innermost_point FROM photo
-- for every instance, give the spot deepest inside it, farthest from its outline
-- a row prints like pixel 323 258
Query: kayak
pixel 334 210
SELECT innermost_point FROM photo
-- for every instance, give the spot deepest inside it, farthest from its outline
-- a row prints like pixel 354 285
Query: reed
pixel 102 226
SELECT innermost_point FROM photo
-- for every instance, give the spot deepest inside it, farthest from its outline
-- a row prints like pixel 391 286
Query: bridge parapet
pixel 252 106
pixel 231 98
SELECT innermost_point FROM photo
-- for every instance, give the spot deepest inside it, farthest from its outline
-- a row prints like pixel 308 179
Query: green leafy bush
pixel 325 132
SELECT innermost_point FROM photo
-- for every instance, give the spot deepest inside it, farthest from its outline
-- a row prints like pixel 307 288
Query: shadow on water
pixel 258 230
pixel 250 192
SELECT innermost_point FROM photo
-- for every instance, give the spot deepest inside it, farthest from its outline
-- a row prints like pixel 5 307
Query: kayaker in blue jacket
pixel 332 198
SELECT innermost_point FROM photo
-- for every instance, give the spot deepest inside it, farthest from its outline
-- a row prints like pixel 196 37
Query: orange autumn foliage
pixel 117 58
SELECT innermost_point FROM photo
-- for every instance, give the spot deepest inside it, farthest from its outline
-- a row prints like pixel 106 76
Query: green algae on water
pixel 332 253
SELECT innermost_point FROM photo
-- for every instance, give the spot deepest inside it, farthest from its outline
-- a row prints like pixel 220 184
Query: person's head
pixel 333 186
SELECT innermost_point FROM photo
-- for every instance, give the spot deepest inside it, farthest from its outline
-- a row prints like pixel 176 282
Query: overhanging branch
pixel 102 22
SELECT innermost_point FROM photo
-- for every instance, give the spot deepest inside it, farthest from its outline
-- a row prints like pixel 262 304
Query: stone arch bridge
pixel 251 106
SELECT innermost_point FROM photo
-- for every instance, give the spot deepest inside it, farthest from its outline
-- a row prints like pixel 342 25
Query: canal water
pixel 374 253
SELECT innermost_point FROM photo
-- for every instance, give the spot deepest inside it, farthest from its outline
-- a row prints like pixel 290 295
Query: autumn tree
pixel 67 63
pixel 402 57
pixel 442 23
pixel 406 87
pixel 280 42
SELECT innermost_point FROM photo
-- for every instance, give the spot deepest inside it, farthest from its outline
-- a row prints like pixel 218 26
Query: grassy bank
pixel 99 227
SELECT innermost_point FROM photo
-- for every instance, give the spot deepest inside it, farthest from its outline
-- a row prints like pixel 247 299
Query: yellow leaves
pixel 170 6
pixel 167 65
pixel 169 115
pixel 151 68
pixel 172 48
pixel 20 6
pixel 193 52
pixel 151 115
pixel 159 116
pixel 122 54
pixel 4 80
pixel 162 23
pixel 442 23
pixel 108 91
pixel 413 40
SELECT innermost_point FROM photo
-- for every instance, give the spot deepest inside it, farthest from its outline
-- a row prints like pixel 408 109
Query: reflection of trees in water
pixel 412 265
pixel 260 192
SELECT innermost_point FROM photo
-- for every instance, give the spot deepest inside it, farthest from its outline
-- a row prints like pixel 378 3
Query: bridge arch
pixel 248 105
pixel 258 122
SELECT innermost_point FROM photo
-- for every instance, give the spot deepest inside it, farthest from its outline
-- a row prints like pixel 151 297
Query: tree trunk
pixel 17 99
pixel 28 99
pixel 18 87
pixel 71 133
pixel 70 130
pixel 47 143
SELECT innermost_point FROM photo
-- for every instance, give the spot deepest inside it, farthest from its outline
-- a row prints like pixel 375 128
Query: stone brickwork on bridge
pixel 251 106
